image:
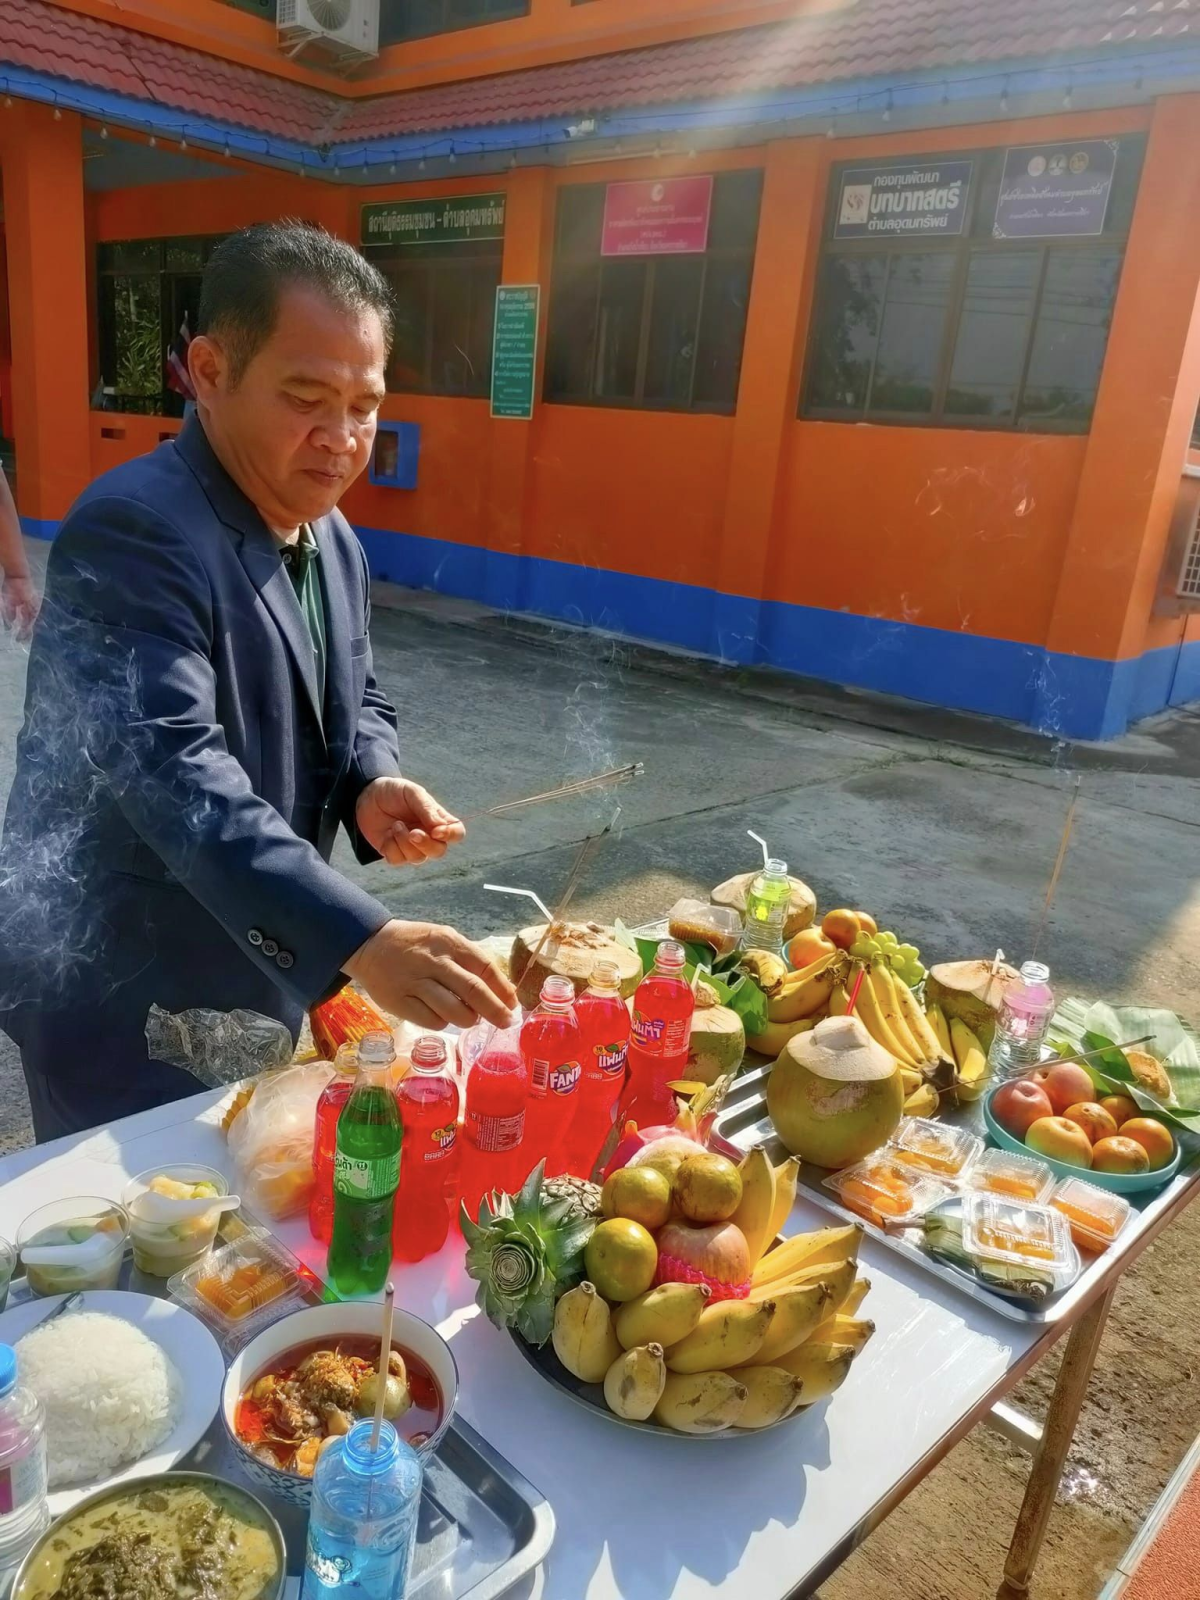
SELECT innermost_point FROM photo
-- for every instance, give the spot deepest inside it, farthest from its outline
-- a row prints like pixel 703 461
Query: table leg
pixel 1050 1457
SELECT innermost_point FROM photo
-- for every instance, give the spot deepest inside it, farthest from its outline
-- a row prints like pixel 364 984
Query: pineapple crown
pixel 524 1252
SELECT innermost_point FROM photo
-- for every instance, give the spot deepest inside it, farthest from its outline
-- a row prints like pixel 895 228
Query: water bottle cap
pixel 429 1053
pixel 605 975
pixel 671 956
pixel 1035 972
pixel 558 991
pixel 377 1049
pixel 8 1369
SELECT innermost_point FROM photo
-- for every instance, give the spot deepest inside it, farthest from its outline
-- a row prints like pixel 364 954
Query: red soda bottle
pixel 494 1124
pixel 604 1025
pixel 428 1102
pixel 552 1050
pixel 658 1042
pixel 329 1108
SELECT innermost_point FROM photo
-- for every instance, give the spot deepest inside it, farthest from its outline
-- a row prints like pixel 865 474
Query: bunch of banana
pixel 805 995
pixel 970 1058
pixel 888 1010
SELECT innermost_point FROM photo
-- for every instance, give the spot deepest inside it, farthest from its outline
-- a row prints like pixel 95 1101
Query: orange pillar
pixel 766 405
pixel 43 204
pixel 1145 409
pixel 528 247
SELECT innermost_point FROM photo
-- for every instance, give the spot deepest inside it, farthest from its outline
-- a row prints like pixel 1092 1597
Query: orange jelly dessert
pixel 883 1192
pixel 1096 1216
pixel 1015 1176
pixel 934 1147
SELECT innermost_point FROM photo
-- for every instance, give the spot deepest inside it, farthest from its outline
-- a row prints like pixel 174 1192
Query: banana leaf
pixel 1094 1025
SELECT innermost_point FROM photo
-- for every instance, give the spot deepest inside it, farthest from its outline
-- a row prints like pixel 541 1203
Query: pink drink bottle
pixel 493 1129
pixel 551 1048
pixel 329 1108
pixel 428 1101
pixel 604 1024
pixel 658 1044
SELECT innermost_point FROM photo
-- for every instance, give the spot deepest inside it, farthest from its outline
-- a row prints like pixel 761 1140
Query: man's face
pixel 297 428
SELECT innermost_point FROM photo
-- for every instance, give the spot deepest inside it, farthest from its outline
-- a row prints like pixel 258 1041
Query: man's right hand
pixel 431 976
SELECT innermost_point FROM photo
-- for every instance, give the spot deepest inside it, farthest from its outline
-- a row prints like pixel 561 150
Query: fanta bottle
pixel 329 1108
pixel 659 1039
pixel 428 1101
pixel 604 1035
pixel 493 1128
pixel 552 1051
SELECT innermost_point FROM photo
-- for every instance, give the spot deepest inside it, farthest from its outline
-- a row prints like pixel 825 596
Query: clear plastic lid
pixel 696 922
pixel 242 1287
pixel 885 1193
pixel 997 1229
pixel 935 1147
pixel 1095 1216
pixel 1016 1177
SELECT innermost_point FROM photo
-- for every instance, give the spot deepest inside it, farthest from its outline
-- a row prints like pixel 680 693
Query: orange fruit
pixel 1092 1118
pixel 620 1259
pixel 1120 1107
pixel 1119 1155
pixel 867 922
pixel 809 945
pixel 642 1194
pixel 1154 1138
pixel 842 927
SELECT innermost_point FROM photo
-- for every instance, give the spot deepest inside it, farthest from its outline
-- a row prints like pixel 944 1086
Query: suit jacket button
pixel 254 936
pixel 285 959
pixel 270 947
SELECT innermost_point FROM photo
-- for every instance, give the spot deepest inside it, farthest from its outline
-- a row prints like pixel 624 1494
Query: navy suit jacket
pixel 178 789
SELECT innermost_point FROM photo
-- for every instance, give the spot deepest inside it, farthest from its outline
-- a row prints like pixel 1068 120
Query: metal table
pixel 761 1518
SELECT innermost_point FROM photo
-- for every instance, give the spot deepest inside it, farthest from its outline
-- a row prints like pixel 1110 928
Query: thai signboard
pixel 911 200
pixel 1056 191
pixel 514 350
pixel 659 217
pixel 452 219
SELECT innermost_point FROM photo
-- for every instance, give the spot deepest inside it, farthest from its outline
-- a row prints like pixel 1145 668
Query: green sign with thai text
pixel 453 219
pixel 514 350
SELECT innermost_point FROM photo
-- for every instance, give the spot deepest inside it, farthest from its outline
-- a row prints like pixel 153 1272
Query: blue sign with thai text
pixel 1056 191
pixel 909 200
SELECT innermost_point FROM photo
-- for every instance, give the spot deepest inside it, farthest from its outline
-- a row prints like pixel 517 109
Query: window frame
pixel 963 248
pixel 581 261
pixel 429 258
pixel 388 40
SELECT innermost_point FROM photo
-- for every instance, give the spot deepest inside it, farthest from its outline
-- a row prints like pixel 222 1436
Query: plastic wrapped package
pixel 271 1139
pixel 217 1047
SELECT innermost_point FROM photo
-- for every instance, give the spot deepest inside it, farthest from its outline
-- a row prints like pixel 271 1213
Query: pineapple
pixel 524 1252
pixel 582 1197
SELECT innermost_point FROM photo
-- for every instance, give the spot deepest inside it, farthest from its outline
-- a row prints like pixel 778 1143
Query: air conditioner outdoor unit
pixel 347 30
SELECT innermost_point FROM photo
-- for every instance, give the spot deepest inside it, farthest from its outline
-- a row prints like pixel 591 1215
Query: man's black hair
pixel 239 297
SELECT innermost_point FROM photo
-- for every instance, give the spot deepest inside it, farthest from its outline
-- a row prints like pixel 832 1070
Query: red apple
pixel 1019 1104
pixel 1066 1085
pixel 1061 1141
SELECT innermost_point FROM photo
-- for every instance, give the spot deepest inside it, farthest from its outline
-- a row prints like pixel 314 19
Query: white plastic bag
pixel 271 1139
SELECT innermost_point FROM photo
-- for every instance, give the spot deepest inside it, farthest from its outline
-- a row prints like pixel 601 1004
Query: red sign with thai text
pixel 659 217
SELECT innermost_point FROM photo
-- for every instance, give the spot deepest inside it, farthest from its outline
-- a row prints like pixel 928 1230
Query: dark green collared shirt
pixel 301 561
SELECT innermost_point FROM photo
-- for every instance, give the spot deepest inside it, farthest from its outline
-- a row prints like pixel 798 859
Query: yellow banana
pixel 700 1402
pixel 846 1332
pixel 773 1039
pixel 770 1394
pixel 911 1079
pixel 825 1246
pixel 583 1335
pixel 726 1335
pixel 766 968
pixel 859 1290
pixel 804 993
pixel 873 1020
pixel 757 1206
pixel 798 1312
pixel 821 1368
pixel 660 1316
pixel 970 1059
pixel 633 1385
pixel 923 1102
pixel 837 1277
pixel 883 981
pixel 926 1040
pixel 786 1178
pixel 937 1021
pixel 839 1001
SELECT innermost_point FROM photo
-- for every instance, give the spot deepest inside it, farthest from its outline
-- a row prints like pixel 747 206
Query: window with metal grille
pixel 417 19
pixel 1189 576
pixel 974 331
pixel 445 308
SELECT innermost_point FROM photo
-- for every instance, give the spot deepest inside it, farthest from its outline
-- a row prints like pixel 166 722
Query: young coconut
pixel 571 950
pixel 971 992
pixel 718 1040
pixel 802 906
pixel 835 1095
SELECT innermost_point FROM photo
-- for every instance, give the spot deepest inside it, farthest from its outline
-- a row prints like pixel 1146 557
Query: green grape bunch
pixel 903 959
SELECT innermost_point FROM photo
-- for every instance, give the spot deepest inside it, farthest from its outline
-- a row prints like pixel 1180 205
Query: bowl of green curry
pixel 177 1536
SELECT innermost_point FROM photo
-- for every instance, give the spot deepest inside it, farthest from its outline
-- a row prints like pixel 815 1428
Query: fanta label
pixel 611 1058
pixel 564 1078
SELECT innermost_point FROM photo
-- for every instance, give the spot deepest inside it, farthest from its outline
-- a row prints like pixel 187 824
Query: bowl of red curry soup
pixel 270 1425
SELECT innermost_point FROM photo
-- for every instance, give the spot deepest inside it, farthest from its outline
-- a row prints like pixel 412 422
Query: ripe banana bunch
pixel 806 993
pixel 584 1340
pixel 888 1010
pixel 969 1055
pixel 768 1194
pixel 726 1335
pixel 660 1316
pixel 700 1402
pixel 633 1385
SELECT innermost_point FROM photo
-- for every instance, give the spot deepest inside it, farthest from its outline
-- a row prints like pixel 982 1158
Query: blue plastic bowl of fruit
pixel 1116 1182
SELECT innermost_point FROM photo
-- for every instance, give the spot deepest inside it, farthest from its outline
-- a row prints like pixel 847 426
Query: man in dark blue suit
pixel 202 715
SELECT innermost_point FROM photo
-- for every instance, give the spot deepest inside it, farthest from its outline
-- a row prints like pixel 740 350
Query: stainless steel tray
pixel 744 1123
pixel 483 1526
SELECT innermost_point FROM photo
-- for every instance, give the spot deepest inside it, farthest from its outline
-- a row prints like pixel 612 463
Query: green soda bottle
pixel 366 1175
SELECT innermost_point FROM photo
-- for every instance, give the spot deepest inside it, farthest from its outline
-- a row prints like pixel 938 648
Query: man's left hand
pixel 405 823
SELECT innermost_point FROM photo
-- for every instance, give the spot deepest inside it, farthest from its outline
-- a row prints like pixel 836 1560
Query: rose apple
pixel 809 945
pixel 1120 1107
pixel 1092 1118
pixel 1066 1086
pixel 1119 1155
pixel 1154 1138
pixel 1016 1106
pixel 1061 1141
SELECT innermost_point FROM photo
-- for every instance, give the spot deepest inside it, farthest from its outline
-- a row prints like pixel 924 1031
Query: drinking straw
pixel 857 985
pixel 996 960
pixel 504 888
pixel 385 1351
pixel 762 843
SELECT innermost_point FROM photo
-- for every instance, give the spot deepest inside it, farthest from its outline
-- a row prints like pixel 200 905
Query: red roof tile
pixel 874 37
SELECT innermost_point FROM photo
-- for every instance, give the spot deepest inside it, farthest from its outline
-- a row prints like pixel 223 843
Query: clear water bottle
pixel 1025 1014
pixel 24 1512
pixel 363 1524
pixel 766 908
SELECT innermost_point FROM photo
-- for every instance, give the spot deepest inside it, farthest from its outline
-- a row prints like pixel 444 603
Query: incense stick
pixel 385 1352
pixel 565 791
pixel 1068 825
